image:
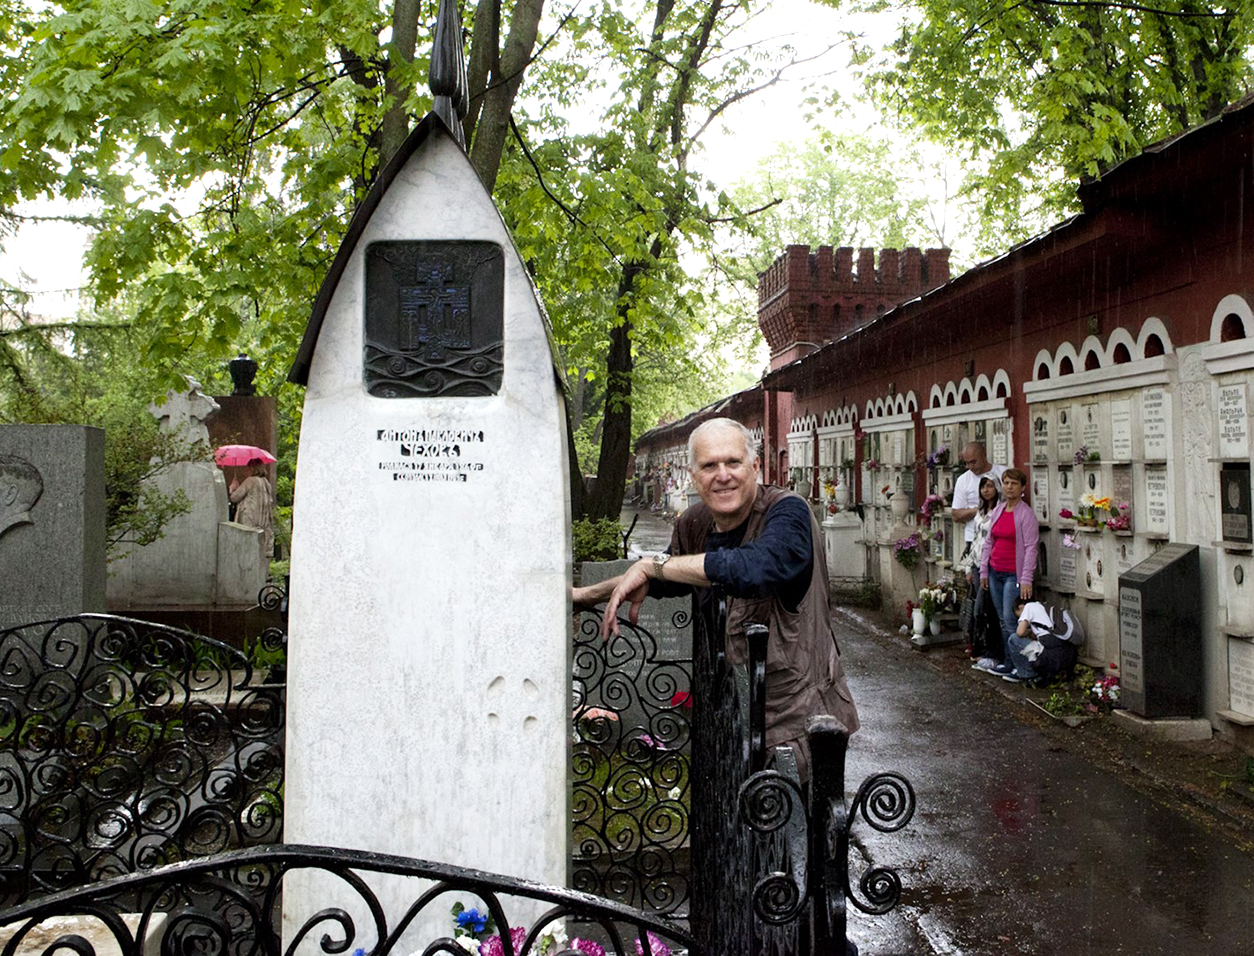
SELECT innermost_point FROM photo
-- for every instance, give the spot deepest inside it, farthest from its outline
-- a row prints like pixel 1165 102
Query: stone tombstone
pixel 429 676
pixel 1066 433
pixel 1234 503
pixel 1234 422
pixel 1041 444
pixel 1091 427
pixel 1094 564
pixel 1040 494
pixel 52 522
pixel 898 447
pixel 202 559
pixel 1154 440
pixel 1241 676
pixel 1121 487
pixel 1001 443
pixel 1157 498
pixel 1066 490
pixel 667 619
pixel 1121 429
pixel 1066 563
pixel 1160 634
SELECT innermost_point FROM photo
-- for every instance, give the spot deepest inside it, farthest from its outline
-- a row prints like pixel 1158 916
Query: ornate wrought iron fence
pixel 230 904
pixel 125 745
pixel 631 774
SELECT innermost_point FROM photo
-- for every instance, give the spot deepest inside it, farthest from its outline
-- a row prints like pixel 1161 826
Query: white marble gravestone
pixel 429 676
pixel 202 559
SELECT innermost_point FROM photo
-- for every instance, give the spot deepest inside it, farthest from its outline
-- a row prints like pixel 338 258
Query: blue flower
pixel 472 921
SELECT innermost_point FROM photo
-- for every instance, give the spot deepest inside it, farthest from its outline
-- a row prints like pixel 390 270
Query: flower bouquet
pixel 871 464
pixel 932 506
pixel 475 932
pixel 908 550
pixel 1091 508
pixel 1120 517
pixel 938 458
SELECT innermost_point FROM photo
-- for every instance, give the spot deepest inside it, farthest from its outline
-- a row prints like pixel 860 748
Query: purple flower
pixel 587 947
pixel 492 946
pixel 659 948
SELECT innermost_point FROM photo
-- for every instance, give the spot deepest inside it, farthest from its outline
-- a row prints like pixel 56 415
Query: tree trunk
pixel 395 126
pixel 498 97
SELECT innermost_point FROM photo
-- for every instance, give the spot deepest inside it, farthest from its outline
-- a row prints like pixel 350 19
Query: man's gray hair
pixel 751 448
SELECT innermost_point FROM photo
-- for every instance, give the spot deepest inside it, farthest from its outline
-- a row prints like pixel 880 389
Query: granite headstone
pixel 52 522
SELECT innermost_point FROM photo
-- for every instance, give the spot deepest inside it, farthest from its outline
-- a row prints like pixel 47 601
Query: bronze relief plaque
pixel 435 318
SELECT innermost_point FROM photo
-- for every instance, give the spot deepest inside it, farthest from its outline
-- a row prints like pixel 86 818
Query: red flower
pixel 682 698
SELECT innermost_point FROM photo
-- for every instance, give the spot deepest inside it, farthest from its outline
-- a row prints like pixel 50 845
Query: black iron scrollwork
pixel 631 771
pixel 199 907
pixel 886 801
pixel 125 745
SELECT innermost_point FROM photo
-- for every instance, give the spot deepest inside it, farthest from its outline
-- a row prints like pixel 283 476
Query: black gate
pixel 125 745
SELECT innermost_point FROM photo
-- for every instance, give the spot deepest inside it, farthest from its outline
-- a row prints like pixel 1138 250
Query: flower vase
pixel 918 620
pixel 842 495
pixel 934 627
pixel 898 508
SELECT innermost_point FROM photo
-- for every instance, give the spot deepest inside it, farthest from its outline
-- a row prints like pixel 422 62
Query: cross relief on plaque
pixel 435 312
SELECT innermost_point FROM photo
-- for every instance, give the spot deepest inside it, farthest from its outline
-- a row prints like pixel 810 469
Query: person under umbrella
pixel 254 502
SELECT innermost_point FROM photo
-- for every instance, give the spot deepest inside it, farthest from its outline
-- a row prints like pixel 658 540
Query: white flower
pixel 674 793
pixel 469 944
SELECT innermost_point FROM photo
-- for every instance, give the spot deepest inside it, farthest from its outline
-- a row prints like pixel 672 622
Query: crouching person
pixel 1045 643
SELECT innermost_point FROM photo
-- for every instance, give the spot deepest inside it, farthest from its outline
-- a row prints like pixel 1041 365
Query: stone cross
pixel 184 413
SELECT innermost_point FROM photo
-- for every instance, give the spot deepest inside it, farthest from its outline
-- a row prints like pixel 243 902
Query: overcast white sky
pixel 47 257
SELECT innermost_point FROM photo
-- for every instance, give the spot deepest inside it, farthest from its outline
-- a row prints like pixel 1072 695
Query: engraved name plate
pixel 434 323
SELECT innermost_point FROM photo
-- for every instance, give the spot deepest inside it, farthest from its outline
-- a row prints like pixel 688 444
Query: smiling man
pixel 760 544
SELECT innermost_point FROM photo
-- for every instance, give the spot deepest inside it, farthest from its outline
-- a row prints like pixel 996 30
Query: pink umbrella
pixel 241 455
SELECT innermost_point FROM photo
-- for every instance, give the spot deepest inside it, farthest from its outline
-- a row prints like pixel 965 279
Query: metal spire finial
pixel 447 77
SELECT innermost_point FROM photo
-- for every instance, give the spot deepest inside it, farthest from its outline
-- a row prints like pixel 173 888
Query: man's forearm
pixel 962 514
pixel 598 593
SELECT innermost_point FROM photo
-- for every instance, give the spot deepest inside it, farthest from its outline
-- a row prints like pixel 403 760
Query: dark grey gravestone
pixel 52 522
pixel 1234 502
pixel 667 619
pixel 1160 634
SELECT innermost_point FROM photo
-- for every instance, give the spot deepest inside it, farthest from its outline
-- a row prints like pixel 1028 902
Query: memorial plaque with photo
pixel 1234 503
pixel 1154 424
pixel 1091 427
pixel 1066 490
pixel 1156 497
pixel 1066 565
pixel 1094 568
pixel 1040 494
pixel 1041 417
pixel 1121 430
pixel 1001 443
pixel 1066 433
pixel 1234 422
pixel 1241 676
pixel 1125 555
pixel 981 431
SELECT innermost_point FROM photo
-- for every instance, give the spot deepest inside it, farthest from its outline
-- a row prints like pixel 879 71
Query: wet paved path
pixel 1017 845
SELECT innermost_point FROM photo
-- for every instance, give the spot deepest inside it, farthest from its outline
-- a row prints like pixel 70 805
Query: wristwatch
pixel 659 560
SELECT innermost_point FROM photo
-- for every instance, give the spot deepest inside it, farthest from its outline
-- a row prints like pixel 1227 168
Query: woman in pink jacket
pixel 1008 563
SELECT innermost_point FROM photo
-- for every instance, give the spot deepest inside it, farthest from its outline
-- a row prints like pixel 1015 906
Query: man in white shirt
pixel 967 487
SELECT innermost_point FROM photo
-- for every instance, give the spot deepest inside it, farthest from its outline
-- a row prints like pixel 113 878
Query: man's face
pixel 973 458
pixel 726 478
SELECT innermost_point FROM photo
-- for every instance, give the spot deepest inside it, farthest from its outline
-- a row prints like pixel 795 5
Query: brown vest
pixel 804 675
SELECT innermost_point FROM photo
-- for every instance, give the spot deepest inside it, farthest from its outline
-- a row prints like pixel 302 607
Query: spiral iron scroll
pixel 886 801
pixel 125 745
pixel 232 904
pixel 772 805
pixel 630 767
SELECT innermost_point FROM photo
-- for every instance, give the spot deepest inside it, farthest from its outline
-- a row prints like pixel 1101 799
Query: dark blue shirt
pixel 778 562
